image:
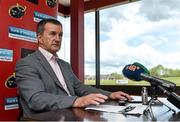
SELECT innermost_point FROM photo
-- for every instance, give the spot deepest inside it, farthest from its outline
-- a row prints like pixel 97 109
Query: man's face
pixel 51 39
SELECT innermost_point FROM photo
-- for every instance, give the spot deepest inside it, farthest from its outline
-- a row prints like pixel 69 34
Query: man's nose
pixel 57 38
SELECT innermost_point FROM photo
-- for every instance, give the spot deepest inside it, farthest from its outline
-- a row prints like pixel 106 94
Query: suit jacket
pixel 40 89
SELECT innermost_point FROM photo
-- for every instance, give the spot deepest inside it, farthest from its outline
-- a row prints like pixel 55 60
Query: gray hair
pixel 42 23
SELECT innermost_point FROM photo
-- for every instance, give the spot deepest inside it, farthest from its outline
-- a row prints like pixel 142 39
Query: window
pixel 89 42
pixel 64 52
pixel 147 32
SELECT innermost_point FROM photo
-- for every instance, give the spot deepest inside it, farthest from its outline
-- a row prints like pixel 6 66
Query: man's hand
pixel 95 99
pixel 120 95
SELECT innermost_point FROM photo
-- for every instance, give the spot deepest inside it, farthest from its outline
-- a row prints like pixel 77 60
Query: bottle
pixel 144 95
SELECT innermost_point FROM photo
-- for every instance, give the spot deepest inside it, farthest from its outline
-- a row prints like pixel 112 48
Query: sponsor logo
pixel 19 33
pixel 17 11
pixel 40 16
pixel 6 55
pixel 51 3
pixel 11 103
pixel 10 82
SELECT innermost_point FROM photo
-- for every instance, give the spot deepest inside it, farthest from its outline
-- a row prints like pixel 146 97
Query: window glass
pixel 146 31
pixel 89 43
pixel 64 52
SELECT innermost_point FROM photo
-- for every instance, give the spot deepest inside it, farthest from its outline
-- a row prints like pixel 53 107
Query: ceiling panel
pixel 67 2
pixel 90 5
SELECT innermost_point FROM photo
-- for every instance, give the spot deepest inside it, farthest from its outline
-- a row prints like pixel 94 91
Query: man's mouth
pixel 56 44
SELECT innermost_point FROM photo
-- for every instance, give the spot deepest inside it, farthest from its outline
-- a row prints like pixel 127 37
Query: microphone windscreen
pixel 146 71
pixel 133 71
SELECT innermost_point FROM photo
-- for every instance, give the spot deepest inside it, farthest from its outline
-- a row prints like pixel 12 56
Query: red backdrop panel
pixel 26 21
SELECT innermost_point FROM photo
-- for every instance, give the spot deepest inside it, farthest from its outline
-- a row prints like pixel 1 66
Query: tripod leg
pixel 149 105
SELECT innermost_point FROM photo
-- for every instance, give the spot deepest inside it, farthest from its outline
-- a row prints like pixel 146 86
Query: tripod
pixel 154 100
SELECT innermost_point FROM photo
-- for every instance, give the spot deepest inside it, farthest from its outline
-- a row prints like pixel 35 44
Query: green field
pixel 175 80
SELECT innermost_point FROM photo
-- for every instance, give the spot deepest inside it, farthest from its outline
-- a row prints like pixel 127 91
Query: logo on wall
pixel 40 16
pixel 33 1
pixel 19 33
pixel 6 55
pixel 11 103
pixel 10 82
pixel 51 3
pixel 17 11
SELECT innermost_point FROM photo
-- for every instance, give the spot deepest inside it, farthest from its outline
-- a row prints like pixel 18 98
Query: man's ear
pixel 39 36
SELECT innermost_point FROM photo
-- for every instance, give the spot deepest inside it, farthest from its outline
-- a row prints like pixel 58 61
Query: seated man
pixel 48 83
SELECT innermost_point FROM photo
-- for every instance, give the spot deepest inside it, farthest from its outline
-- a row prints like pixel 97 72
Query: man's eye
pixel 53 33
pixel 60 35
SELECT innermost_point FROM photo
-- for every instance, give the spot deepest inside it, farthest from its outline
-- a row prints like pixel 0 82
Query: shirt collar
pixel 47 54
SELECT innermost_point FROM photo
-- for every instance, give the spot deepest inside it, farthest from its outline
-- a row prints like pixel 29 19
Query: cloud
pixel 117 57
pixel 157 10
pixel 108 19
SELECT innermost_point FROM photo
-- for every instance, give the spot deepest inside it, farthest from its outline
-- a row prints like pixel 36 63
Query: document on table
pixel 137 108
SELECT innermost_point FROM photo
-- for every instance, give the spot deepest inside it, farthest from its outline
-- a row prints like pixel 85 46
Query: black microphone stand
pixel 154 100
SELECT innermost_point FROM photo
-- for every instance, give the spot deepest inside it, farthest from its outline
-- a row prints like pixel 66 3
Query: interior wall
pixel 18 38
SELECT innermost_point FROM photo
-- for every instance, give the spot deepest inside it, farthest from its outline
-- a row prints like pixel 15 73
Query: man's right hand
pixel 94 99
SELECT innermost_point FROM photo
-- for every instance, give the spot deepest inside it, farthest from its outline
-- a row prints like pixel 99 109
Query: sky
pixel 147 31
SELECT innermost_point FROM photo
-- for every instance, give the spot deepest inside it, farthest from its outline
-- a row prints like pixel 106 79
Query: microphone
pixel 138 72
pixel 172 97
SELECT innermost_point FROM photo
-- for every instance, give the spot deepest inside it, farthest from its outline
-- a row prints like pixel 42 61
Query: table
pixel 159 113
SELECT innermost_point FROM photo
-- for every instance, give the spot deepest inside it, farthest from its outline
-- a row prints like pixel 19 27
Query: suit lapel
pixel 47 67
pixel 65 75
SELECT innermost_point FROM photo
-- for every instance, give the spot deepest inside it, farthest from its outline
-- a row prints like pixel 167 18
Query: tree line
pixel 159 71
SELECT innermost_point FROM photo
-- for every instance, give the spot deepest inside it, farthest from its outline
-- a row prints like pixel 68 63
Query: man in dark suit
pixel 47 83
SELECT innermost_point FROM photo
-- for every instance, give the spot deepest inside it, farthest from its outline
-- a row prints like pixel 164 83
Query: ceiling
pixel 89 5
pixel 66 3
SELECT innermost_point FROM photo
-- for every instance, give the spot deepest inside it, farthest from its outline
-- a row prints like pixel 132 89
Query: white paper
pixel 106 108
pixel 139 108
